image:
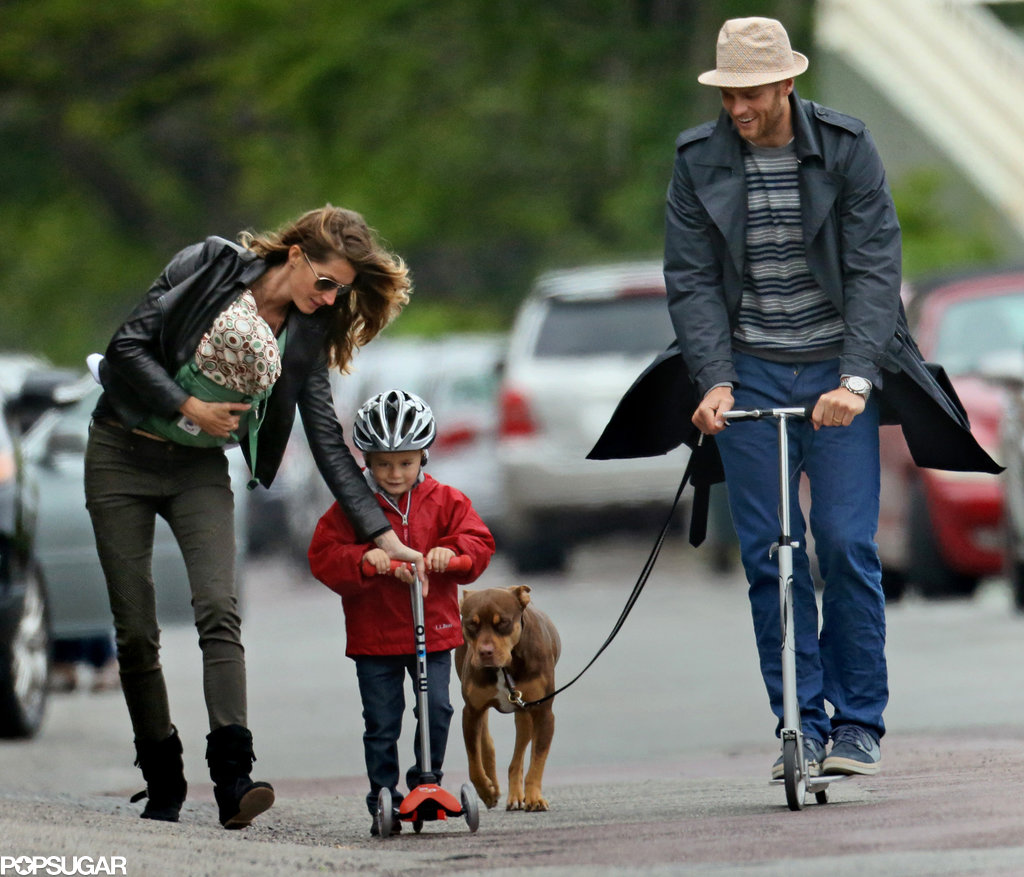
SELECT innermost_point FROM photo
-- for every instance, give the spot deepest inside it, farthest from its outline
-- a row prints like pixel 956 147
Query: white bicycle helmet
pixel 394 421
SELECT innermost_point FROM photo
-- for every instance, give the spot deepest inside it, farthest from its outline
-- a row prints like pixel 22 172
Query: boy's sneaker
pixel 854 751
pixel 815 753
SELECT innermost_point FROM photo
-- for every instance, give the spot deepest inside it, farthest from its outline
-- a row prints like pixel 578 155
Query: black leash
pixel 633 597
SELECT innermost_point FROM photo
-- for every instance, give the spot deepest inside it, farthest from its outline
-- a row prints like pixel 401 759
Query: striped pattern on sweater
pixel 783 308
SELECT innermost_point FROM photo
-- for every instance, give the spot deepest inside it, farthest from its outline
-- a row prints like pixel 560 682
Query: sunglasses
pixel 327 284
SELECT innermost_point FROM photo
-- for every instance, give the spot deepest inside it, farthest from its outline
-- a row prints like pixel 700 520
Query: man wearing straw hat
pixel 782 263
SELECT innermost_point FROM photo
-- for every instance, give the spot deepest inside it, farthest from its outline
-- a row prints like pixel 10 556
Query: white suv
pixel 579 340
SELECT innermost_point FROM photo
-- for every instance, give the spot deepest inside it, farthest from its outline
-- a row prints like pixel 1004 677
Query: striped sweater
pixel 784 315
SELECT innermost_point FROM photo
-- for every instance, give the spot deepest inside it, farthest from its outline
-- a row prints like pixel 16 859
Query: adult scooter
pixel 794 760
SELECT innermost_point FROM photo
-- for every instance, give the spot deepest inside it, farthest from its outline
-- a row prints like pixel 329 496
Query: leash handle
pixel 645 574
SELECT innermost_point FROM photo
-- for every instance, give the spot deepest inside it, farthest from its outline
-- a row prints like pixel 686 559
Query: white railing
pixel 953 69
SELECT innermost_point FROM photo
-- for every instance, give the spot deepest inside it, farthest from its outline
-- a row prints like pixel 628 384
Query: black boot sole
pixel 254 802
pixel 160 815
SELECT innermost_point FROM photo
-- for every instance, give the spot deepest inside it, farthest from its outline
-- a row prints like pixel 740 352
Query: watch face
pixel 857 385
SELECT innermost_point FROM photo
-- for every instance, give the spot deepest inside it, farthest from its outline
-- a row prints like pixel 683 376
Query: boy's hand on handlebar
pixel 439 558
pixel 397 550
pixel 707 418
pixel 837 408
pixel 379 560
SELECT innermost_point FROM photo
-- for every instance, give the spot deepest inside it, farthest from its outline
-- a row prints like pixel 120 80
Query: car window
pixel 975 328
pixel 631 326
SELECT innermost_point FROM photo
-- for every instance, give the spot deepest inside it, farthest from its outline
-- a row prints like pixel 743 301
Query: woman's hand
pixel 218 419
pixel 396 549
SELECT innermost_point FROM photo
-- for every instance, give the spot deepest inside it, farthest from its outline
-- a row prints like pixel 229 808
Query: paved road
pixel 659 763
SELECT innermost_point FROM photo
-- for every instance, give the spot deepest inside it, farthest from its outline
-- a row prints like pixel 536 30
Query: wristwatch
pixel 860 386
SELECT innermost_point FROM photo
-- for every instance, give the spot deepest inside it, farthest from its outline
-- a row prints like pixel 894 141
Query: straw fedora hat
pixel 751 52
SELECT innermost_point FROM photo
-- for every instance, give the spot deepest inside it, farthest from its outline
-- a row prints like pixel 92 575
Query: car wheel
pixel 931 574
pixel 25 664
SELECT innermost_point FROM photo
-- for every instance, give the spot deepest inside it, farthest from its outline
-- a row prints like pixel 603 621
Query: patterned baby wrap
pixel 237 360
pixel 240 351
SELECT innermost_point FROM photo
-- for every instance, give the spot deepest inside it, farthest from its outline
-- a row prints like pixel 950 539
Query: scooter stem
pixel 422 700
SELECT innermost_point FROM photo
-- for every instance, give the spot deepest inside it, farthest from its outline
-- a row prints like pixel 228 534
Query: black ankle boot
pixel 230 756
pixel 164 773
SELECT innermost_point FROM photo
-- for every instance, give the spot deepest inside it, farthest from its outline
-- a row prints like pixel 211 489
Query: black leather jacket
pixel 162 333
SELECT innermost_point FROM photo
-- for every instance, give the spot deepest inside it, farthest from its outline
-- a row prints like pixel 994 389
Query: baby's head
pixel 240 351
pixel 394 430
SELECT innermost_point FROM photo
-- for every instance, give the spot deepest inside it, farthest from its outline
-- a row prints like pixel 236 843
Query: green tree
pixel 485 140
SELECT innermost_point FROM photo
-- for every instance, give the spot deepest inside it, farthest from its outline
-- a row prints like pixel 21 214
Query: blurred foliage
pixel 485 140
pixel 933 240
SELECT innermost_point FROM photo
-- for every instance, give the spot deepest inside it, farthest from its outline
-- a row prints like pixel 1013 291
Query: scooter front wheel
pixel 793 772
pixel 385 815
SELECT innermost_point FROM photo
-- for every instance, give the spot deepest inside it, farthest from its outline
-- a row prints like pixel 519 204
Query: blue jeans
pixel 844 663
pixel 381 687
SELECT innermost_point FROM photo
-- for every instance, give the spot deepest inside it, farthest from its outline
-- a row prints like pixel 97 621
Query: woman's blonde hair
pixel 381 287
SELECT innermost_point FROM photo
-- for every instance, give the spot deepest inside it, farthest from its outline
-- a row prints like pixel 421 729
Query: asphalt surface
pixel 659 765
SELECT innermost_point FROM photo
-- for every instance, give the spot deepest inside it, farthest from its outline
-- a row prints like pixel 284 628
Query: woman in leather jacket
pixel 320 287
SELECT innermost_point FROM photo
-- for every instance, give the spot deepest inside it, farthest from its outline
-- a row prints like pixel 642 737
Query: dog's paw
pixel 536 805
pixel 515 803
pixel 489 793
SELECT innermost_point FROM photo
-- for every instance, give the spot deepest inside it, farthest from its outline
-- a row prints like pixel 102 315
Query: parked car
pixel 941 532
pixel 24 621
pixel 457 375
pixel 578 341
pixel 1006 370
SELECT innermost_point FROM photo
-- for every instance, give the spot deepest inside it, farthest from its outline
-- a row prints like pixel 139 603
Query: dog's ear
pixel 522 593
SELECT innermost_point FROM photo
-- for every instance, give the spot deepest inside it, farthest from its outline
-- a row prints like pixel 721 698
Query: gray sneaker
pixel 855 750
pixel 815 753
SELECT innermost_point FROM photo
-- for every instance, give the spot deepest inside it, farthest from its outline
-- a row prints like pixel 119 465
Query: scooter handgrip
pixel 459 563
pixel 370 570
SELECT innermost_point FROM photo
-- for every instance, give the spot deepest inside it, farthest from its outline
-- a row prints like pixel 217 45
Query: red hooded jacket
pixel 378 610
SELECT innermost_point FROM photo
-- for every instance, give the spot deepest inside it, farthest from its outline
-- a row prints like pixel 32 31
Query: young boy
pixel 394 430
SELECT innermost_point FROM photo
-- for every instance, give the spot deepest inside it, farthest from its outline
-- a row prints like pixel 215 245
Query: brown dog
pixel 510 646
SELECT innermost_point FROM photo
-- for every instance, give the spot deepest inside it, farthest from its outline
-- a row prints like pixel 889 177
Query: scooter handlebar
pixel 803 413
pixel 459 563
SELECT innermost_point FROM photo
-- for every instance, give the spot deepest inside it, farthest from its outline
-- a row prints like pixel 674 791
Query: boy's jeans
pixel 845 663
pixel 382 689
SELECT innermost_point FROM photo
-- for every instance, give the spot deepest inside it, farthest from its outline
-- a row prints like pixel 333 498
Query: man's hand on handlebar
pixel 707 418
pixel 837 408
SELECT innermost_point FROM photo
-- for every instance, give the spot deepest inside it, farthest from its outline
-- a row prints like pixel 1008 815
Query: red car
pixel 940 532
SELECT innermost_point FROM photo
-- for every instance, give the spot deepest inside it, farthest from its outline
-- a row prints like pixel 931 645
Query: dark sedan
pixel 24 626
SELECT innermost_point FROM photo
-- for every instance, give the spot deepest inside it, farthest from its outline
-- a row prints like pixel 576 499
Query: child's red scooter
pixel 428 801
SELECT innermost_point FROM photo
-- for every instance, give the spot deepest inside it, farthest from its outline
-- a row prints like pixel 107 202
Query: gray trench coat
pixel 852 244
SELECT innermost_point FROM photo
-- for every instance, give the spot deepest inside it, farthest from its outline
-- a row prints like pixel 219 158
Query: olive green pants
pixel 129 480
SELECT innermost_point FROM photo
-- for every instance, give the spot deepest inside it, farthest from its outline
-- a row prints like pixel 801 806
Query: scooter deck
pixel 819 783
